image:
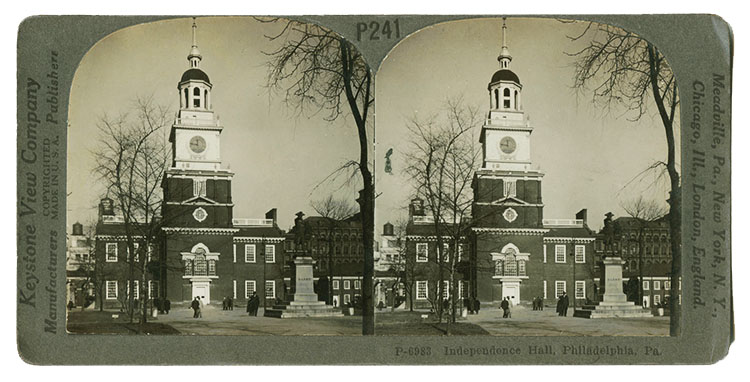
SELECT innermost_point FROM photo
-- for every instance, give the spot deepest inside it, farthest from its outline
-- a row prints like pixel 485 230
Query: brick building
pixel 202 249
pixel 508 249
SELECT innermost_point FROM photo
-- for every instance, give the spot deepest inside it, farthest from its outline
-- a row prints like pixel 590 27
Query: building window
pixel 544 287
pixel 657 285
pixel 421 252
pixel 200 266
pixel 446 252
pixel 111 252
pixel 347 284
pixel 357 285
pixel 560 287
pixel 645 284
pixel 234 288
pixel 249 288
pixel 521 268
pixel 460 252
pixel 510 267
pixel 347 298
pixel 667 285
pixel 199 187
pixel 188 267
pixel 111 290
pixel 580 254
pixel 657 299
pixel 509 188
pixel 249 253
pixel 544 249
pixel 212 267
pixel 421 290
pixel 135 250
pixel 446 289
pixel 335 284
pixel 560 253
pixel 153 288
pixel 270 289
pixel 136 289
pixel 270 253
pixel 580 289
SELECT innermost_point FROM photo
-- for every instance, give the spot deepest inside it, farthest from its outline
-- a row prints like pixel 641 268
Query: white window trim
pixel 151 284
pixel 357 285
pixel 106 253
pixel 136 258
pixel 583 249
pixel 645 284
pixel 657 299
pixel 254 253
pixel 234 289
pixel 137 290
pixel 272 253
pixel 446 252
pixel 564 287
pixel 234 253
pixel 583 289
pixel 347 298
pixel 335 284
pixel 347 284
pixel 106 289
pixel 657 285
pixel 272 284
pixel 426 252
pixel 249 291
pixel 564 253
pixel 544 247
pixel 446 289
pixel 544 285
pixel 426 289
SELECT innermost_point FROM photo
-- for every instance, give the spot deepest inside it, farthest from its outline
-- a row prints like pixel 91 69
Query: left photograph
pixel 219 182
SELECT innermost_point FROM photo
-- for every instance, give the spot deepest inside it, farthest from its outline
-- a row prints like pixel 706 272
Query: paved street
pixel 528 322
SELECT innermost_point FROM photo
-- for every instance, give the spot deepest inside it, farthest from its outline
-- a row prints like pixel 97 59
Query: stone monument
pixel 614 301
pixel 304 301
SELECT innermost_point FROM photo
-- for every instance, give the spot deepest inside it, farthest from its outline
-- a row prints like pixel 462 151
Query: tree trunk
pixel 368 272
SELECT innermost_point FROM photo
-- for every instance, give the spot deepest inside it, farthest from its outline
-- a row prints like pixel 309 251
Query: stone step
pixel 628 313
pixel 283 313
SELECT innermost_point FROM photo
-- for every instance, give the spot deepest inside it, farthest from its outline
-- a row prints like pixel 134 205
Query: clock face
pixel 197 144
pixel 508 145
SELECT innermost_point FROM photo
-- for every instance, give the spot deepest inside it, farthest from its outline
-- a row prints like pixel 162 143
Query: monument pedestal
pixel 304 302
pixel 614 302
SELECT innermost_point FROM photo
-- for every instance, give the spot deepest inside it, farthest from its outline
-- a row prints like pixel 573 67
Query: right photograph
pixel 528 180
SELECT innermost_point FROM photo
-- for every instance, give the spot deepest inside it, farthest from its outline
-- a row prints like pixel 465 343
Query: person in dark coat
pixel 477 305
pixel 224 304
pixel 505 306
pixel 230 303
pixel 558 310
pixel 252 305
pixel 167 306
pixel 196 307
pixel 540 306
pixel 565 303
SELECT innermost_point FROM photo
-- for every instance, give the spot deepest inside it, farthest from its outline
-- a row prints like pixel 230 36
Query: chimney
pixel 416 208
pixel 271 214
pixel 581 215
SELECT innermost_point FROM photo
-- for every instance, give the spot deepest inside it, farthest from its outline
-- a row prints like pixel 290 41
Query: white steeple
pixel 504 58
pixel 195 55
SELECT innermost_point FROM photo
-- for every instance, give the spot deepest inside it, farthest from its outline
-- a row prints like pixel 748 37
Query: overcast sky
pixel 587 156
pixel 279 157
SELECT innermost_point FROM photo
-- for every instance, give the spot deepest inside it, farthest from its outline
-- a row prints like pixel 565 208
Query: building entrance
pixel 512 290
pixel 202 289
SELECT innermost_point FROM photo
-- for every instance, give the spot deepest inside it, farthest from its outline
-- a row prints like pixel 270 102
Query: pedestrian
pixel 159 306
pixel 505 306
pixel 565 303
pixel 224 304
pixel 231 303
pixel 541 303
pixel 559 305
pixel 200 307
pixel 256 304
pixel 477 305
pixel 249 308
pixel 71 305
pixel 196 307
pixel 167 306
pixel 468 305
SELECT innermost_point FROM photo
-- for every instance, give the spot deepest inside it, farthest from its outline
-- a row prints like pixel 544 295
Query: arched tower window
pixel 515 100
pixel 506 98
pixel 205 99
pixel 186 102
pixel 497 99
pixel 196 97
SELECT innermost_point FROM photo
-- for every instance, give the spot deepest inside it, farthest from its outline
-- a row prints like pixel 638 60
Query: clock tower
pixel 197 191
pixel 507 228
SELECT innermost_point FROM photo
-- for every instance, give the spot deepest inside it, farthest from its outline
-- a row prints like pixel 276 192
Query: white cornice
pixel 569 239
pixel 200 231
pixel 118 237
pixel 430 238
pixel 511 231
pixel 249 239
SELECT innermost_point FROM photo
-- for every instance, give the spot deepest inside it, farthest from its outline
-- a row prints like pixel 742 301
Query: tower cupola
pixel 505 86
pixel 195 86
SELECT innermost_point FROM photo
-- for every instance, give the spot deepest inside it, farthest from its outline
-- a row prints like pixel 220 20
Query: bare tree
pixel 317 69
pixel 131 157
pixel 441 160
pixel 644 211
pixel 622 69
pixel 334 210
